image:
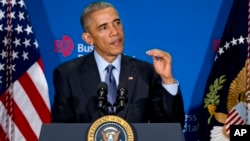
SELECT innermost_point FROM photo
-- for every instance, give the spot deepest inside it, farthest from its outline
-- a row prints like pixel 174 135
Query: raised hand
pixel 163 64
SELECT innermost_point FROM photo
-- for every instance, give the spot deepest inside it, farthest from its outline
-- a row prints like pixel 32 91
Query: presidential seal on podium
pixel 110 128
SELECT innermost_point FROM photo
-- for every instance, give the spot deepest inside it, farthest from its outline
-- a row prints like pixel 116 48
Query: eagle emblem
pixel 238 104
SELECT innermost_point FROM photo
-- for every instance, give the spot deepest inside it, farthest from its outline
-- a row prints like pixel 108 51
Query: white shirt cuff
pixel 172 88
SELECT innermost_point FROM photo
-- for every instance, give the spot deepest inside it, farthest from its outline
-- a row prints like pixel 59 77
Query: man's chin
pixel 117 50
pixel 115 53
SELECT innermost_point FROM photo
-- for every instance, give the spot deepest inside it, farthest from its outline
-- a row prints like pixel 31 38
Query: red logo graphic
pixel 216 44
pixel 64 46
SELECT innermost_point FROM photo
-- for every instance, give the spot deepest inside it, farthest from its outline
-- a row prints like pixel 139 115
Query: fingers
pixel 158 54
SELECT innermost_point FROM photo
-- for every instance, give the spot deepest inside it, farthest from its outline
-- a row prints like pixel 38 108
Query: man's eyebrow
pixel 101 25
pixel 104 24
pixel 117 20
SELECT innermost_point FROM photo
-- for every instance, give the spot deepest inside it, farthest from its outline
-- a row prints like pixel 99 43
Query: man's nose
pixel 113 30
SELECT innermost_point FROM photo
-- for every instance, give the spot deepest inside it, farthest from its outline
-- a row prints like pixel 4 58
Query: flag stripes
pixel 233 119
pixel 26 103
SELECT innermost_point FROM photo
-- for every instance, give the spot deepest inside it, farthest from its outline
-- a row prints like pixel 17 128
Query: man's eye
pixel 118 22
pixel 103 28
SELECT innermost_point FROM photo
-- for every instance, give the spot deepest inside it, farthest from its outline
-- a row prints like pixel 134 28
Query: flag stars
pixel 4 2
pixel 234 42
pixel 28 29
pixel 3 54
pixel 17 42
pixel 1 67
pixel 12 67
pixel 2 14
pixel 13 3
pixel 21 16
pixel 12 15
pixel 14 55
pixel 25 56
pixel 19 28
pixel 9 28
pixel 26 42
pixel 5 41
pixel 220 51
pixel 36 44
pixel 227 45
pixel 231 43
pixel 21 3
pixel 241 40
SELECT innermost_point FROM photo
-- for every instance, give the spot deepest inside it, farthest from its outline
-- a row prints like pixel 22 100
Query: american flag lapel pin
pixel 130 78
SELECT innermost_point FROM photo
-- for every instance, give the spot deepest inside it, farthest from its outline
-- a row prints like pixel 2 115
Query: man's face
pixel 105 32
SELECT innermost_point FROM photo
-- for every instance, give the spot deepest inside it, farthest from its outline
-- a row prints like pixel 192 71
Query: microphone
pixel 102 91
pixel 121 98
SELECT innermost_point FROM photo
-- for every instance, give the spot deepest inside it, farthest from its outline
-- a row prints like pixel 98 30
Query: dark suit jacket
pixel 76 83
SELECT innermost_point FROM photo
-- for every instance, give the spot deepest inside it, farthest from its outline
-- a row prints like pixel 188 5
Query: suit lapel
pixel 128 75
pixel 90 74
pixel 90 79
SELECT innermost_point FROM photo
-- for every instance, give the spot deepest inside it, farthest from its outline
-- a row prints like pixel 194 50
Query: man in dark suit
pixel 152 92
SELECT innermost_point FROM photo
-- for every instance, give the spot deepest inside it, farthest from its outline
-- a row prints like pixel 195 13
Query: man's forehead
pixel 102 14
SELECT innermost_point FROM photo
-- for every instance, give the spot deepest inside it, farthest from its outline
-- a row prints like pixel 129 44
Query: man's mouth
pixel 116 42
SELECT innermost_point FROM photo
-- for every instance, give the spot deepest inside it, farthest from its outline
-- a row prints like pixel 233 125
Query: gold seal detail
pixel 110 127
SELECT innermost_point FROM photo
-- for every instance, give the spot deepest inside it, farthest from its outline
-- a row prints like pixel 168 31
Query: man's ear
pixel 87 38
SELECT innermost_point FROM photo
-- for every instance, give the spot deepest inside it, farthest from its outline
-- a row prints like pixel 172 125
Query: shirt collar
pixel 102 64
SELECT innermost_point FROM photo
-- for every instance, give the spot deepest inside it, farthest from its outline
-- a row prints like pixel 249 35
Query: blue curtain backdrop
pixel 189 30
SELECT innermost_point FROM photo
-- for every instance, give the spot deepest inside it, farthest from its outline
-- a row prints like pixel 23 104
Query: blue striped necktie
pixel 110 80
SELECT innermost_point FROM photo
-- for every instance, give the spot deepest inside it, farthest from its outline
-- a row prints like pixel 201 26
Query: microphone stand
pixel 102 98
pixel 121 99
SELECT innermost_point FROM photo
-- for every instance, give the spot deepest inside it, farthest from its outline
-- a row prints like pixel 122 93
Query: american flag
pixel 227 85
pixel 235 118
pixel 24 98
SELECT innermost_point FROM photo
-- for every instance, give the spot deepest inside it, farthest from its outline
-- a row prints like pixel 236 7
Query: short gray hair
pixel 95 6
